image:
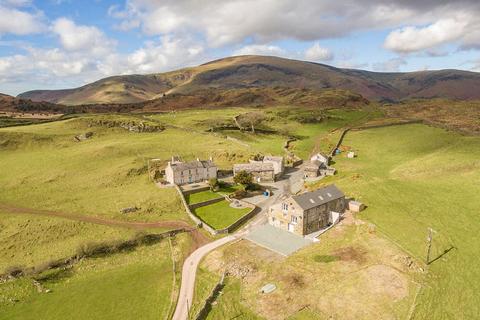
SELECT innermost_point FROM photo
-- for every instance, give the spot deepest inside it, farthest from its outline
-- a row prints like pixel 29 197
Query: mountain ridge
pixel 244 72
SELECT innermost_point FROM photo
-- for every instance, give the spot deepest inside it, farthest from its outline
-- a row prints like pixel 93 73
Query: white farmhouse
pixel 178 172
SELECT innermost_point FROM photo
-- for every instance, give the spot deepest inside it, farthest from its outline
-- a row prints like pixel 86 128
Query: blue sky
pixel 53 44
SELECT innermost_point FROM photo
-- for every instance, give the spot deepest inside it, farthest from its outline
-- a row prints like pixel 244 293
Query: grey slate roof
pixel 318 197
pixel 180 166
pixel 273 158
pixel 313 165
pixel 254 166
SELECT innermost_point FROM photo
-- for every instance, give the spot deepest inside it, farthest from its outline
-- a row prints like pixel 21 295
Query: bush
pixel 213 183
pixel 239 194
pixel 243 177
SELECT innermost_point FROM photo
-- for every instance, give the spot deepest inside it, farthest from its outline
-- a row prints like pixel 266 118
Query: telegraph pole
pixel 429 244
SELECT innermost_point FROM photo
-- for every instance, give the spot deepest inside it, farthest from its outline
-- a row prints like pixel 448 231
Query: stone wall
pixel 205 203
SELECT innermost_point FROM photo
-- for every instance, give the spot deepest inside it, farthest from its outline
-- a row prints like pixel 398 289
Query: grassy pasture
pixel 43 168
pixel 133 285
pixel 220 215
pixel 412 178
pixel 27 240
pixel 366 279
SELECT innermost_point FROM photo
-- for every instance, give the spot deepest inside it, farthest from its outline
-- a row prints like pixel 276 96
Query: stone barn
pixel 261 172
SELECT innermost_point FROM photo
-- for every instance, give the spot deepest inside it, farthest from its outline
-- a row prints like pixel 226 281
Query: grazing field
pixel 220 215
pixel 416 177
pixel 130 285
pixel 27 240
pixel 42 167
pixel 351 273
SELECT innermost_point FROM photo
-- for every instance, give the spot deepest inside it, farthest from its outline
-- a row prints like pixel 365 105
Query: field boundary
pixel 91 250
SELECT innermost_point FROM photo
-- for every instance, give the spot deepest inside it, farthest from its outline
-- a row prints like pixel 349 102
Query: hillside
pixel 246 72
pixel 12 104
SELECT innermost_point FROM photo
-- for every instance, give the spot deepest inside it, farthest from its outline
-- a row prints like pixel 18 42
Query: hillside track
pixel 198 238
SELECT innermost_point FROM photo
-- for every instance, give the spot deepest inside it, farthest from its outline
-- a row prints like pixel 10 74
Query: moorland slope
pixel 267 72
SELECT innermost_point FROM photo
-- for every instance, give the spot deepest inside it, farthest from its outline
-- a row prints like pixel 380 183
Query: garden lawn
pixel 201 196
pixel 220 215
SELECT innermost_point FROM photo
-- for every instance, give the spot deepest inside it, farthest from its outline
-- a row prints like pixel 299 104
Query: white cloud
pixel 260 49
pixel 411 39
pixel 318 53
pixel 15 21
pixel 81 38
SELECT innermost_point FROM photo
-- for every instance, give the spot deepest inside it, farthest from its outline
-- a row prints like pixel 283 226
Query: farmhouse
pixel 262 172
pixel 267 170
pixel 307 212
pixel 179 172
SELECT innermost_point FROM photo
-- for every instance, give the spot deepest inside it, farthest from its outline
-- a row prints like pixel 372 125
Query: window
pixel 284 207
pixel 294 219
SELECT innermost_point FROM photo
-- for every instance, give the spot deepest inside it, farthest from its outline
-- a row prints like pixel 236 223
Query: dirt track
pixel 198 238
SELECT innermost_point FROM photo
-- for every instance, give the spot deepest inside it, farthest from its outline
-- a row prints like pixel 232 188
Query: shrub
pixel 213 183
pixel 239 194
pixel 243 177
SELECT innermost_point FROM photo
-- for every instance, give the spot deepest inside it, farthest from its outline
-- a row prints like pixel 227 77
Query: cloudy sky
pixel 52 44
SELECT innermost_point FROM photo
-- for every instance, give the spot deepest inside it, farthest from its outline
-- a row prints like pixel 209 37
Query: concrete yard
pixel 277 240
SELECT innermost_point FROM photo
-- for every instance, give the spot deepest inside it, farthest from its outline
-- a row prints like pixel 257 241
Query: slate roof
pixel 318 197
pixel 273 158
pixel 180 166
pixel 313 165
pixel 254 166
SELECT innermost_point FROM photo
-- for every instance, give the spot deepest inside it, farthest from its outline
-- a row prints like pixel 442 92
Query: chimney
pixel 211 159
pixel 198 159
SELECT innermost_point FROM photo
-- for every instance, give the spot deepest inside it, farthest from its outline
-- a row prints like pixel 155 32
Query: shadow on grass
pixel 441 255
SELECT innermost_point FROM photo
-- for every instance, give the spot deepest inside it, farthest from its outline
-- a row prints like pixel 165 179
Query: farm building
pixel 262 172
pixel 355 206
pixel 321 157
pixel 278 164
pixel 307 212
pixel 267 170
pixel 314 169
pixel 179 172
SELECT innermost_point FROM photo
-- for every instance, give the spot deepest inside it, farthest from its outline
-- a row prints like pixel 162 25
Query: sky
pixel 54 44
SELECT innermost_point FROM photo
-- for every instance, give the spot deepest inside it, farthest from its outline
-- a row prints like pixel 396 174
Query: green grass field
pixel 412 178
pixel 27 240
pixel 42 167
pixel 133 285
pixel 220 215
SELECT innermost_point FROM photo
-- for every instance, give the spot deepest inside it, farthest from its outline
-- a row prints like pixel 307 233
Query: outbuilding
pixel 355 206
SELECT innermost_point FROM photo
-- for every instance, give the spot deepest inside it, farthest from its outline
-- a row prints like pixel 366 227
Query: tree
pixel 243 177
pixel 213 183
pixel 251 119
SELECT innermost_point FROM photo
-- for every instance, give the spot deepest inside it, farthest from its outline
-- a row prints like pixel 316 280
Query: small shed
pixel 355 206
pixel 351 155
